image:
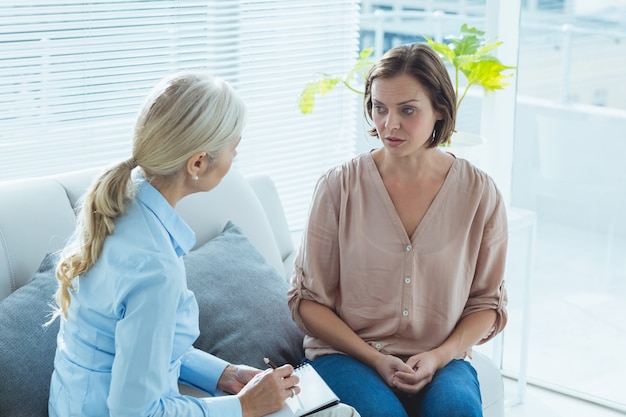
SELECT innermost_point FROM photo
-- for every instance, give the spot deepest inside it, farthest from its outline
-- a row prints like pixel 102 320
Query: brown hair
pixel 421 62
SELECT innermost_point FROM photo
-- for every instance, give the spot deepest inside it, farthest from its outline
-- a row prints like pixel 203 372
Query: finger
pixel 407 377
pixel 403 367
pixel 409 388
pixel 404 371
pixel 423 373
pixel 413 363
pixel 284 371
pixel 292 391
pixel 290 381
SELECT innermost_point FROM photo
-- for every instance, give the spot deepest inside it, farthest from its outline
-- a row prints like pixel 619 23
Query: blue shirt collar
pixel 182 236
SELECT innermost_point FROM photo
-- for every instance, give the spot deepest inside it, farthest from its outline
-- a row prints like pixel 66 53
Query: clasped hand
pixel 409 377
pixel 260 392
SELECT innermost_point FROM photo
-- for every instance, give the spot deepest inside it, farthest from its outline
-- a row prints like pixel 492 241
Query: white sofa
pixel 37 215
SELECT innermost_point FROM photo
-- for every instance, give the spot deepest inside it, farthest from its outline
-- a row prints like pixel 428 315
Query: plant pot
pixel 466 145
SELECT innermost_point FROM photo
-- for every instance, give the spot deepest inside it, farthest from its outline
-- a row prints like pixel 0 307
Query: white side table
pixel 520 221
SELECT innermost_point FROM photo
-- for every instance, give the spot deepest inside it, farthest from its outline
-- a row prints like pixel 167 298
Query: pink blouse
pixel 401 294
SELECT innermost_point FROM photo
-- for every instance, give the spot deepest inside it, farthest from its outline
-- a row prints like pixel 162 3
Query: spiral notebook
pixel 315 395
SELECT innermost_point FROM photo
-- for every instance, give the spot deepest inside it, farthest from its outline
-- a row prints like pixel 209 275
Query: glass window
pixel 567 169
pixel 73 75
pixel 569 145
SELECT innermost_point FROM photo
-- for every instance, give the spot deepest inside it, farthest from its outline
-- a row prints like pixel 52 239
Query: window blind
pixel 73 76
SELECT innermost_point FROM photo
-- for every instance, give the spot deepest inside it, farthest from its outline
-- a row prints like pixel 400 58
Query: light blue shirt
pixel 132 321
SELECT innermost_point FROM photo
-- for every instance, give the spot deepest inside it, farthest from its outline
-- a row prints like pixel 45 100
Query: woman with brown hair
pixel 400 270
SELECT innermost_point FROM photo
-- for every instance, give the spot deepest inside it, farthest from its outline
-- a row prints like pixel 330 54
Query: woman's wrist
pixel 444 355
pixel 226 376
pixel 372 357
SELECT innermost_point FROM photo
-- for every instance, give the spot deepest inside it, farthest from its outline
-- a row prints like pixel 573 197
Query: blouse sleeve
pixel 316 267
pixel 487 291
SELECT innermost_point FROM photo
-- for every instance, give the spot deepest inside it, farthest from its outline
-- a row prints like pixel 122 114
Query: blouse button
pixel 378 346
pixel 408 248
pixel 405 313
pixel 407 280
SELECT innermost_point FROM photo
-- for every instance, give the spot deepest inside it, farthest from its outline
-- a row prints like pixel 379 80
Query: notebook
pixel 315 395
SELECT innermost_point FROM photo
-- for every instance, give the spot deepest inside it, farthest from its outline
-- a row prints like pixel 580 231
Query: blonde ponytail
pixel 102 204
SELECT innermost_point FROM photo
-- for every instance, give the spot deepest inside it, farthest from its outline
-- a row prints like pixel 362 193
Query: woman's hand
pixel 423 368
pixel 388 366
pixel 235 377
pixel 267 391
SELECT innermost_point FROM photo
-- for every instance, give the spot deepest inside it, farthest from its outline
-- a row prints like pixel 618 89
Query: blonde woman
pixel 128 320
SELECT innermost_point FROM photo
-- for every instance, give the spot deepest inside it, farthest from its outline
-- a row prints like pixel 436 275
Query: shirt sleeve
pixel 311 279
pixel 202 370
pixel 487 291
pixel 144 339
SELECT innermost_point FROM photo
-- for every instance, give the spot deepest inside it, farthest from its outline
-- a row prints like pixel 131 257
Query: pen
pixel 269 363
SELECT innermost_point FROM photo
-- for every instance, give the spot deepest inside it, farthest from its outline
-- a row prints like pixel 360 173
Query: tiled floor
pixel 542 403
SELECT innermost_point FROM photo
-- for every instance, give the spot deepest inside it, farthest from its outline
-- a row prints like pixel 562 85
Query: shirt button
pixel 378 346
pixel 408 248
pixel 405 313
pixel 407 280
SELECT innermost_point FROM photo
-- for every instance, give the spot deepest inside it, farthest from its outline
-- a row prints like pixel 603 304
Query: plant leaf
pixel 326 82
pixel 465 44
pixel 471 30
pixel 442 48
pixel 320 87
pixel 365 53
pixel 487 48
pixel 487 72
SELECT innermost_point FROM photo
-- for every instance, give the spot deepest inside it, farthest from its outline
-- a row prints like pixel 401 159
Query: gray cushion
pixel 243 303
pixel 27 347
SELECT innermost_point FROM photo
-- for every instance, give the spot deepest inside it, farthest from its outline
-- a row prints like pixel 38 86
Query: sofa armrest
pixel 35 218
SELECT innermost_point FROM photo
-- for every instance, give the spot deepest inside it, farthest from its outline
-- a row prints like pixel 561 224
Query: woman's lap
pixel 453 392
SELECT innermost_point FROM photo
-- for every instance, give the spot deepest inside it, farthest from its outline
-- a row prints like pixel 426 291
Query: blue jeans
pixel 453 392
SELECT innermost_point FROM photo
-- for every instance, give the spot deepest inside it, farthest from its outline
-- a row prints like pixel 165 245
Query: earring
pixel 195 178
pixel 434 135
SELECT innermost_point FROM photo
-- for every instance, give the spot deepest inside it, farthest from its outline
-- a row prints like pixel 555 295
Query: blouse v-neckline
pixel 391 209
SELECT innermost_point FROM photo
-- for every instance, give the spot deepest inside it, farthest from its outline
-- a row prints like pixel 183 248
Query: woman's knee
pixel 453 392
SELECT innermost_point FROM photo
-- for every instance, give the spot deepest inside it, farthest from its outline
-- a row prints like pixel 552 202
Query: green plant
pixel 326 82
pixel 469 53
